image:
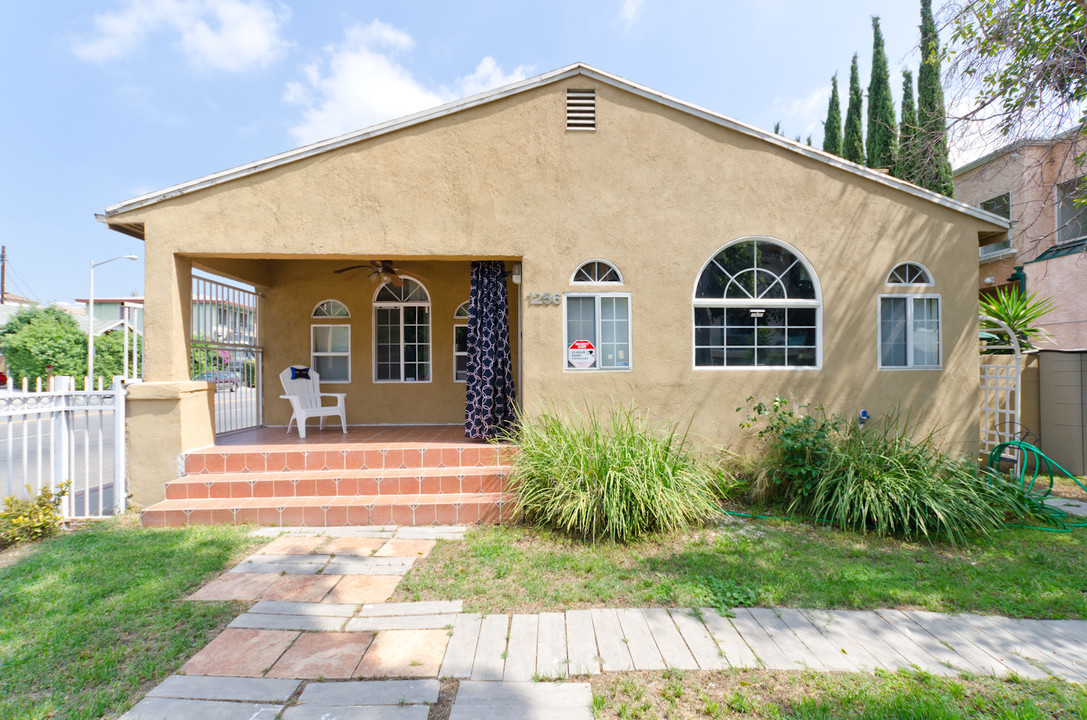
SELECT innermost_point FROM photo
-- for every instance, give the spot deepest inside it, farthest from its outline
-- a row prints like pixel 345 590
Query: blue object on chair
pixel 299 372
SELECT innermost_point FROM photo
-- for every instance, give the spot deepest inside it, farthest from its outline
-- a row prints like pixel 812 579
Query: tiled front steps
pixel 374 482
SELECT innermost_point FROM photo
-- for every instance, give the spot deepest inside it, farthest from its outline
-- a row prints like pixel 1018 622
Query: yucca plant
pixel 616 479
pixel 1019 312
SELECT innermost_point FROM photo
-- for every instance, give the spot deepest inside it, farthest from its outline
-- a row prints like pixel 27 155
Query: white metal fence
pixel 53 434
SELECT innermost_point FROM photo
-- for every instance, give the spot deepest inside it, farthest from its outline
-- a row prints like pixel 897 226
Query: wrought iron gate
pixel 226 351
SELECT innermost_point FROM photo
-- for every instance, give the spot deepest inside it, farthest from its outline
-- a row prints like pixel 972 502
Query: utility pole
pixel 3 273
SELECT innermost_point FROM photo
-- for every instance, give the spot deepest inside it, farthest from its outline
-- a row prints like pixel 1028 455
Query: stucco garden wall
pixel 653 190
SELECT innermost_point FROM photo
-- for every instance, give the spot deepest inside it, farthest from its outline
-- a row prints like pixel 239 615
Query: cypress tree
pixel 882 130
pixel 853 133
pixel 906 161
pixel 777 128
pixel 832 128
pixel 934 166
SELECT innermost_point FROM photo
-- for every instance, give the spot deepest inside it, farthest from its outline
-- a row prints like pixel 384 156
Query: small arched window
pixel 909 273
pixel 331 309
pixel 756 303
pixel 597 272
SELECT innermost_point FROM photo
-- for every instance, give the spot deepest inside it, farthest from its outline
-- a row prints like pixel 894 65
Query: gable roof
pixel 513 89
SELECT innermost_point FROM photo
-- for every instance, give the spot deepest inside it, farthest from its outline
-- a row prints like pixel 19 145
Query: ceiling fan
pixel 380 269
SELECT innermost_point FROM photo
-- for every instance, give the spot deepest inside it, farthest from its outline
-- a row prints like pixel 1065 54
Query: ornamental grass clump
pixel 617 479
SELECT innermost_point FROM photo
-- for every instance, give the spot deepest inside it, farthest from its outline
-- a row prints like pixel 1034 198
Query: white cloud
pixel 631 11
pixel 488 75
pixel 360 83
pixel 229 35
pixel 802 116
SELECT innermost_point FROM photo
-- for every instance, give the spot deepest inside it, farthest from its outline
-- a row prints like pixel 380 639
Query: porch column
pixel 167 308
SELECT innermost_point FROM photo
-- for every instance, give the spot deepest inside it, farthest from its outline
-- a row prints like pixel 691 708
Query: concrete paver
pixel 240 653
pixel 404 653
pixel 610 641
pixel 814 640
pixel 364 712
pixel 491 649
pixel 551 658
pixel 947 629
pixel 669 641
pixel 322 655
pixel 359 589
pixel 523 700
pixel 640 644
pixel 699 641
pixel 198 687
pixel 300 588
pixel 460 653
pixel 174 709
pixel 521 650
pixel 769 653
pixel 350 565
pixel 736 651
pixel 235 586
pixel 360 546
pixel 433 607
pixel 843 638
pixel 581 644
pixel 402 622
pixel 371 692
pixel 275 607
pixel 414 548
pixel 288 622
pixel 292 545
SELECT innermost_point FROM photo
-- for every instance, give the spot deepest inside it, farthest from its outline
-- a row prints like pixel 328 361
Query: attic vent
pixel 581 109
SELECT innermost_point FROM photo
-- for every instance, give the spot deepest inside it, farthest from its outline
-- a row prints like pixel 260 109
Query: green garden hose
pixel 1033 463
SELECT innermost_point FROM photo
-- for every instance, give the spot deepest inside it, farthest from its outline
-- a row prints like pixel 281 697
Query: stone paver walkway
pixel 320 625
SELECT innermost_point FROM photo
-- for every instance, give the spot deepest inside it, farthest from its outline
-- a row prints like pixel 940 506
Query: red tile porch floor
pixel 377 475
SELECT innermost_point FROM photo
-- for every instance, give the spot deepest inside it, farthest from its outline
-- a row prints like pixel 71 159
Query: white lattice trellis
pixel 1000 388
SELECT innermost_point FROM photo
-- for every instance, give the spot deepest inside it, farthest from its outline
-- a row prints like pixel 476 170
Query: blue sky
pixel 111 99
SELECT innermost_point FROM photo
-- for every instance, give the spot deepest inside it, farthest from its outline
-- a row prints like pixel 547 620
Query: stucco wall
pixel 653 190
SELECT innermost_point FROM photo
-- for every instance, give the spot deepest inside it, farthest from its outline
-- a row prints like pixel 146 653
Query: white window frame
pixel 929 280
pixel 765 303
pixel 459 321
pixel 1057 198
pixel 566 339
pixel 430 334
pixel 611 265
pixel 313 352
pixel 330 317
pixel 910 297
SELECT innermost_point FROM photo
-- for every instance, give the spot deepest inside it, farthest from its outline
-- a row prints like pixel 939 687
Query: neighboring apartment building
pixel 1036 184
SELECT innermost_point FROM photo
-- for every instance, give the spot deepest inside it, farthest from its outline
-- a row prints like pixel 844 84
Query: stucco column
pixel 168 306
pixel 163 421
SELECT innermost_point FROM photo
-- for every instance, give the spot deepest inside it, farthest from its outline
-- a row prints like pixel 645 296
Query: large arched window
pixel 757 303
pixel 402 333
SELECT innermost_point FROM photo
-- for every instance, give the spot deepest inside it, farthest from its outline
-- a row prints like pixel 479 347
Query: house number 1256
pixel 544 299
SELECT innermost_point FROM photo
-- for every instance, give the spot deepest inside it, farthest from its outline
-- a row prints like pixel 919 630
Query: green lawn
pixel 1021 573
pixel 904 695
pixel 93 618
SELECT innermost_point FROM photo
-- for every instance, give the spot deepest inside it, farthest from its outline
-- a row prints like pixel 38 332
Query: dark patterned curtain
pixel 491 398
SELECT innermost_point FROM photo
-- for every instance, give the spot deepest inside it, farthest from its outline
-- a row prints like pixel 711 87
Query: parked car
pixel 223 379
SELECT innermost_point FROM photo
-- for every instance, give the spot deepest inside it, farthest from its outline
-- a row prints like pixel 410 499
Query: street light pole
pixel 90 317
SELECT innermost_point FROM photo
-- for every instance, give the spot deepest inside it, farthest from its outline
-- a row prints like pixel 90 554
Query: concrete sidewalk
pixel 320 616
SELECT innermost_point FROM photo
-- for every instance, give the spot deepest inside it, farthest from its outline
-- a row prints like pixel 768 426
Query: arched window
pixel 402 333
pixel 460 343
pixel 597 272
pixel 909 322
pixel 757 303
pixel 909 273
pixel 331 309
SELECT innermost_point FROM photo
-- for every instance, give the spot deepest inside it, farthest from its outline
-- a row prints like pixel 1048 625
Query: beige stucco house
pixel 658 254
pixel 1036 184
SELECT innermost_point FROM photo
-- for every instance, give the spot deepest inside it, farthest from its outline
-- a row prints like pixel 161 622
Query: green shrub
pixel 881 479
pixel 616 480
pixel 26 519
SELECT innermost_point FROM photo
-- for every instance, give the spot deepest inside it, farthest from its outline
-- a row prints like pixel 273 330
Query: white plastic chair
pixel 305 397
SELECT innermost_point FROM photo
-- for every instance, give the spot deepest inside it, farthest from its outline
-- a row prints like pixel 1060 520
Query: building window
pixel 909 273
pixel 1071 216
pixel 597 272
pixel 402 333
pixel 460 343
pixel 331 309
pixel 330 352
pixel 597 331
pixel 909 331
pixel 757 303
pixel 999 205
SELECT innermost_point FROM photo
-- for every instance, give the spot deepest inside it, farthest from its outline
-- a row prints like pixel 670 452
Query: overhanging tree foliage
pixel 853 133
pixel 882 131
pixel 832 128
pixel 934 167
pixel 1021 63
